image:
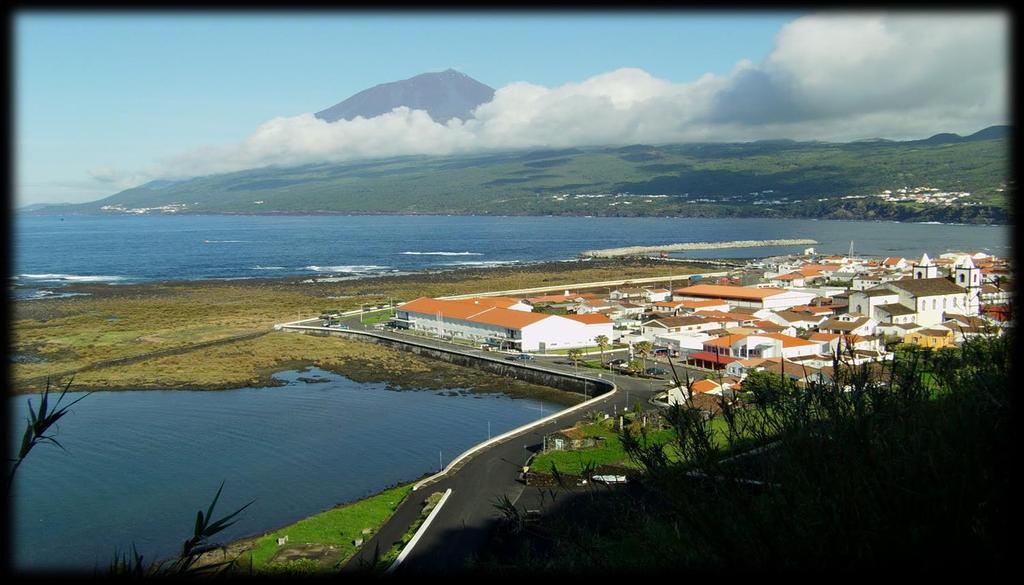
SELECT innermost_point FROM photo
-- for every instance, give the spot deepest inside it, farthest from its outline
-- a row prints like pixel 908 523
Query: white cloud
pixel 829 77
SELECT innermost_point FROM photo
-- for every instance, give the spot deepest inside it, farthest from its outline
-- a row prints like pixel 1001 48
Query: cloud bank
pixel 833 77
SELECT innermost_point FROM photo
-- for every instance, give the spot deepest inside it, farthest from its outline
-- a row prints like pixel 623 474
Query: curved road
pixel 464 522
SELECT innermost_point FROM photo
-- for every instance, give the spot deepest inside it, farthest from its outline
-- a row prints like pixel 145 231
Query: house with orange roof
pixel 681 324
pixel 501 327
pixel 501 303
pixel 745 296
pixel 678 395
pixel 761 345
pixel 895 263
pixel 789 279
pixel 825 310
pixel 593 306
pixel 705 305
pixel 669 307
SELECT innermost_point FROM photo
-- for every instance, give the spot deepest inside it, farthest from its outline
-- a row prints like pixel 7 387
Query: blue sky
pixel 98 90
pixel 95 89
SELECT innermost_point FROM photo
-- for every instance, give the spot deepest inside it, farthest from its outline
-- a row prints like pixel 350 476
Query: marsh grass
pixel 131 320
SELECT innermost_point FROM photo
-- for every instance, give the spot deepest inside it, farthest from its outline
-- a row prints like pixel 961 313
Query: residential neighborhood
pixel 795 315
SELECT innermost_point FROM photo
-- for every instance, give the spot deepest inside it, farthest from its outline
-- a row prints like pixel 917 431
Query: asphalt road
pixel 464 522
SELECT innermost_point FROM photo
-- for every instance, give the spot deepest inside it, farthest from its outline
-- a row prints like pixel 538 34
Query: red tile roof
pixel 727 292
pixel 590 319
pixel 467 311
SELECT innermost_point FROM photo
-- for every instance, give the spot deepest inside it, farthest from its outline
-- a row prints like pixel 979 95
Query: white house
pixel 505 328
pixel 654 295
pixel 849 324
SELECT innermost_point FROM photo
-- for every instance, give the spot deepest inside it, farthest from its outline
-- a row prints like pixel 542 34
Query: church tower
pixel 925 268
pixel 967 275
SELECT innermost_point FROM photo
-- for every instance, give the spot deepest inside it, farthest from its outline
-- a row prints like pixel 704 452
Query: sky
pixel 105 101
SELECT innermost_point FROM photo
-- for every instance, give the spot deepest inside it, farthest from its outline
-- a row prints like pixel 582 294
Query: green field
pixel 759 179
pixel 337 528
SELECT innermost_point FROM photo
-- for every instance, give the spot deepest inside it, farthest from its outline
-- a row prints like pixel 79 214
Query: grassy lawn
pixel 611 451
pixel 337 527
pixel 590 349
pixel 374 317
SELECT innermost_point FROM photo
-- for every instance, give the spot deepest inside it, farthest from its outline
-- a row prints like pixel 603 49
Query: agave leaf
pixel 220 524
pixel 209 511
pixel 42 404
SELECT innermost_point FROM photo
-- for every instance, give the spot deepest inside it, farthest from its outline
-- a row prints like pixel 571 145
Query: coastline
pixel 589 214
pixel 126 321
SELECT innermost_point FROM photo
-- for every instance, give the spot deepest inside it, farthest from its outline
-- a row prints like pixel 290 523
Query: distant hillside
pixel 764 179
pixel 445 95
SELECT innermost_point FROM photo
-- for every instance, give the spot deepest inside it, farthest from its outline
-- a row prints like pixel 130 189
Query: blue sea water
pixel 138 465
pixel 50 251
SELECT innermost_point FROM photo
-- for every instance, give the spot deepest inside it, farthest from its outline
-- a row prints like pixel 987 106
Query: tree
pixel 575 354
pixel 644 349
pixel 602 343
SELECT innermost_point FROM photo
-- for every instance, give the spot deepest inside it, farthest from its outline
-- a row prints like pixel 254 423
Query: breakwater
pixel 634 250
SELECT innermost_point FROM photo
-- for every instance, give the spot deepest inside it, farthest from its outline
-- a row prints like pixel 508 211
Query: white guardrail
pixel 419 532
pixel 501 437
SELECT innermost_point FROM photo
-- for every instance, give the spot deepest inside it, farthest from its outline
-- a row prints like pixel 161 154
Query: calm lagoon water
pixel 139 464
pixel 51 252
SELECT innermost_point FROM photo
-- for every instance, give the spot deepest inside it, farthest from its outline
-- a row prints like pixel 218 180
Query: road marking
pixel 419 532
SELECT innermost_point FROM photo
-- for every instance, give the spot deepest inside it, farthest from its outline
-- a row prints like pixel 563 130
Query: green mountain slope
pixel 767 178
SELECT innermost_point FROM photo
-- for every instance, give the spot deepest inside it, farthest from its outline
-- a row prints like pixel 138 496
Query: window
pixel 961 277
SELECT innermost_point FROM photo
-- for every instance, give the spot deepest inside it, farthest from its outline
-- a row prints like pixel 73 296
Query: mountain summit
pixel 444 95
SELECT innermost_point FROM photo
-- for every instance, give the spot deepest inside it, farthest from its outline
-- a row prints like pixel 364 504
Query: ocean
pixel 51 252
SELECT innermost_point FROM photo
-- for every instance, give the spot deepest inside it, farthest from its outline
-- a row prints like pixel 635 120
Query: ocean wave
pixel 71 277
pixel 443 253
pixel 481 263
pixel 267 268
pixel 227 241
pixel 39 294
pixel 347 268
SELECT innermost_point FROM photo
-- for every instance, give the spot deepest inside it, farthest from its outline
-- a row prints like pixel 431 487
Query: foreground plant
pixel 39 424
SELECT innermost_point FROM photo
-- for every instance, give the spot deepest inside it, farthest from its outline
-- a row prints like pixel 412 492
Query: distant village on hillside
pixel 796 316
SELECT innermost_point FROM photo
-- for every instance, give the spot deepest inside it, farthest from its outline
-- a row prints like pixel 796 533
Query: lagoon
pixel 139 464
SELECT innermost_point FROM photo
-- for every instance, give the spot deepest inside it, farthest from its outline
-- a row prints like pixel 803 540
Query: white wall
pixel 557 332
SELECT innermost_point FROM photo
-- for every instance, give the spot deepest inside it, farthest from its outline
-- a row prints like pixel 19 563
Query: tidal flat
pixel 76 338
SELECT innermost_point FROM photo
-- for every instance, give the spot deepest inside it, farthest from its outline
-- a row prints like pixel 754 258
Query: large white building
pixel 745 296
pixel 483 321
pixel 924 298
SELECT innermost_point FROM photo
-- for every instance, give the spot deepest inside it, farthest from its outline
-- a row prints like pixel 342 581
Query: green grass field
pixel 337 527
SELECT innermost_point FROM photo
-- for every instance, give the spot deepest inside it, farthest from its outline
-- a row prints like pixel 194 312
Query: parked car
pixel 521 357
pixel 617 362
